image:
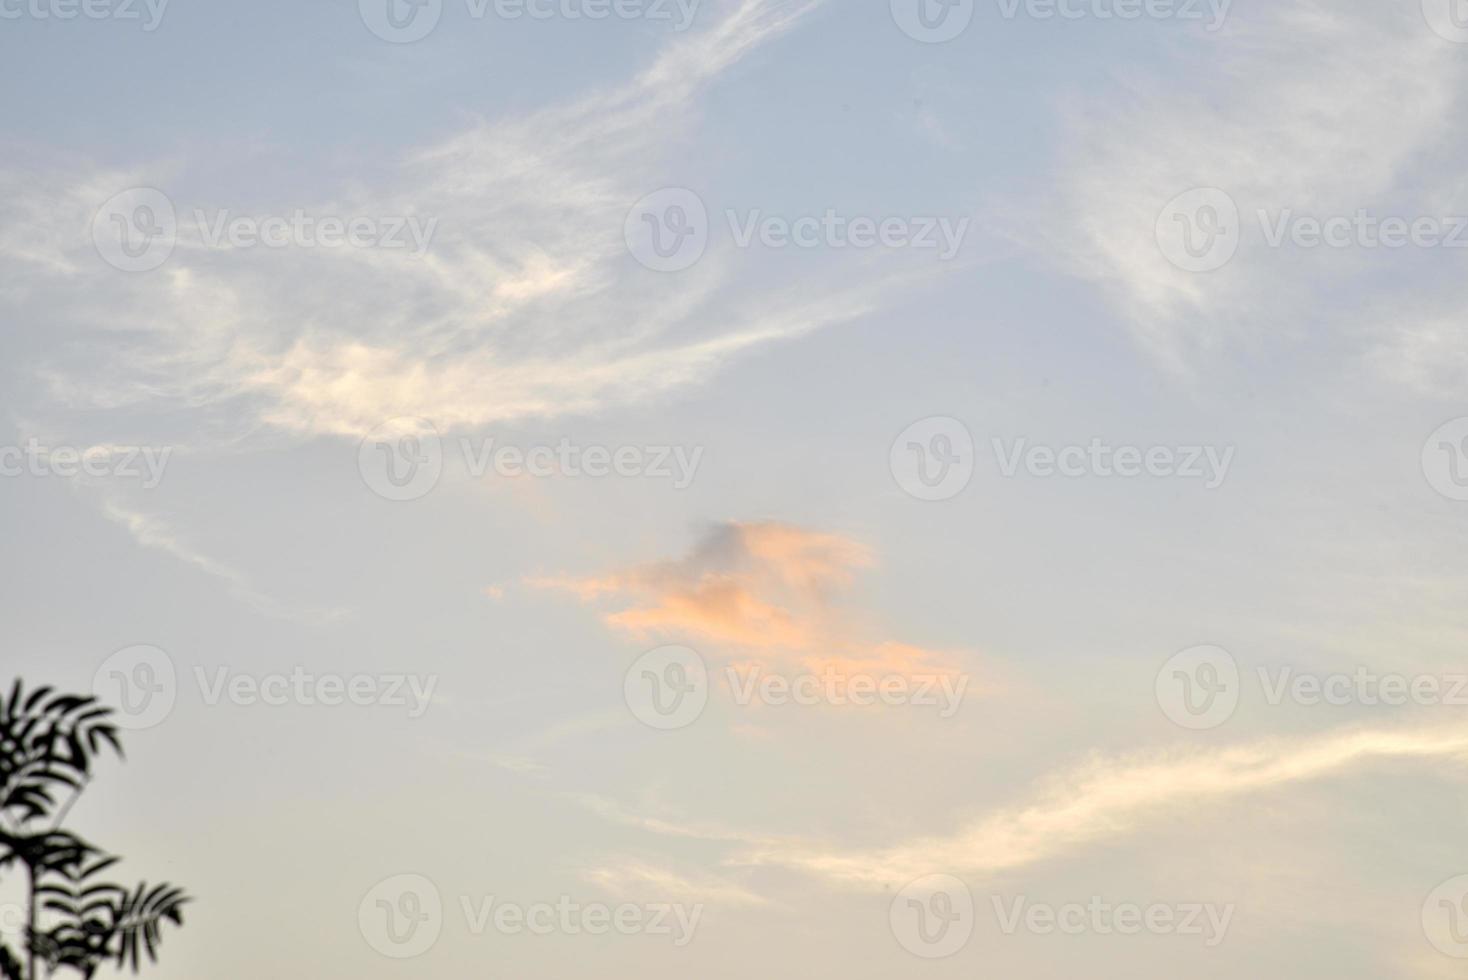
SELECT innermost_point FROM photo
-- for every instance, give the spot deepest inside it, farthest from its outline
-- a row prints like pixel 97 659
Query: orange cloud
pixel 758 592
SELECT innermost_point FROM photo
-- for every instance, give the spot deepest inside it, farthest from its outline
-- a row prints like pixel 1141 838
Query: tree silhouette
pixel 48 743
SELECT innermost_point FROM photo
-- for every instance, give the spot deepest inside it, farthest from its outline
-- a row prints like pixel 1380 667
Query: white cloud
pixel 525 305
pixel 1108 799
pixel 1320 107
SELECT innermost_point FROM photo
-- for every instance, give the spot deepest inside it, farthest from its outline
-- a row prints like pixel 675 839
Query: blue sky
pixel 1301 513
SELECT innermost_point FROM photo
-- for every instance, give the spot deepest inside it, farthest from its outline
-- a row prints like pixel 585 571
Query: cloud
pixel 154 533
pixel 1319 107
pixel 636 880
pixel 525 305
pixel 1112 798
pixel 764 591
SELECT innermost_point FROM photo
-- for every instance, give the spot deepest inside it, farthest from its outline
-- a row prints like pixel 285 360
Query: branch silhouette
pixel 74 918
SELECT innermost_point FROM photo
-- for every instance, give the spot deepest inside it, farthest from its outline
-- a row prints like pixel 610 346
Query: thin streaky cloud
pixel 1111 799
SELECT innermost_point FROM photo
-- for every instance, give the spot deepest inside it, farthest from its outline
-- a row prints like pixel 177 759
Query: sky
pixel 751 487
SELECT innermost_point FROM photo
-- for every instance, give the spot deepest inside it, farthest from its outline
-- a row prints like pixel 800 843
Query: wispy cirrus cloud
pixel 1109 799
pixel 1317 107
pixel 526 305
pixel 153 532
